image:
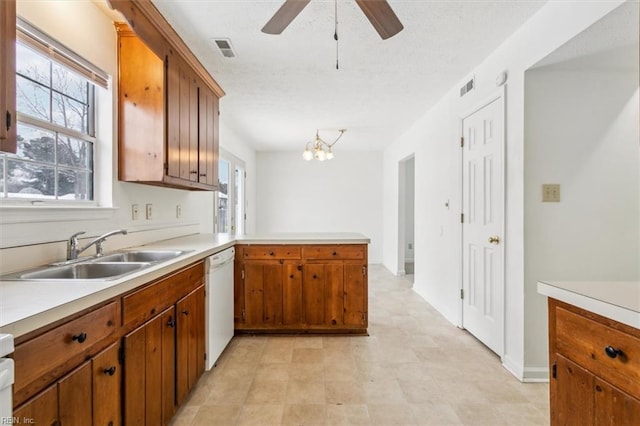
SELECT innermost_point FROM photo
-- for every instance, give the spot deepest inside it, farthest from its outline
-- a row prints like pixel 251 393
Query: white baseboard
pixel 536 375
pixel 513 367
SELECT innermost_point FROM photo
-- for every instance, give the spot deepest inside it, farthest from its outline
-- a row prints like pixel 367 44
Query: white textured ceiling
pixel 281 88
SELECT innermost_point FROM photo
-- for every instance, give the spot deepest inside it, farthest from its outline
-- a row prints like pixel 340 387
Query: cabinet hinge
pixel 461 293
pixel 244 315
pixel 8 120
pixel 554 370
pixel 121 355
pixel 166 167
pixel 461 141
pixel 461 217
pixel 364 270
pixel 242 273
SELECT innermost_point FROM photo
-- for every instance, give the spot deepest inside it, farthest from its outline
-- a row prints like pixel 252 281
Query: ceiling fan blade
pixel 381 16
pixel 283 17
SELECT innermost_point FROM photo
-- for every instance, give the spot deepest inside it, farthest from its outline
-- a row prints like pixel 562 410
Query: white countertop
pixel 617 300
pixel 28 305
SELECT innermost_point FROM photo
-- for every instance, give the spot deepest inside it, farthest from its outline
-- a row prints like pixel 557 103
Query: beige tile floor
pixel 415 368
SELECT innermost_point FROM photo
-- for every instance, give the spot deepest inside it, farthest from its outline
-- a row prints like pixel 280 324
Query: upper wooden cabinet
pixel 168 105
pixel 8 76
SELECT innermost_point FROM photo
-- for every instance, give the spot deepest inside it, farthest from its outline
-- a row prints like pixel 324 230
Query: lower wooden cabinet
pixel 130 361
pixel 89 395
pixel 301 288
pixel 595 364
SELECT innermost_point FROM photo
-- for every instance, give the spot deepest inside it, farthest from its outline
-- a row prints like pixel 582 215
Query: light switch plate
pixel 134 212
pixel 550 193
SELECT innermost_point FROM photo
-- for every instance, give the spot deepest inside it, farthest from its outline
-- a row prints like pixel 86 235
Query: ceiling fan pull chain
pixel 335 36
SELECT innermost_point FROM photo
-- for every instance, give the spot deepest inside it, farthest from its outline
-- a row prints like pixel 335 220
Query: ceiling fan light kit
pixel 319 149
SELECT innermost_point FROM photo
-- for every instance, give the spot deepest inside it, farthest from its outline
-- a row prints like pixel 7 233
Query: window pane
pixel 74 185
pixel 2 176
pixel 33 99
pixel 36 144
pixel 69 83
pixel 69 113
pixel 74 152
pixel 223 197
pixel 33 65
pixel 27 180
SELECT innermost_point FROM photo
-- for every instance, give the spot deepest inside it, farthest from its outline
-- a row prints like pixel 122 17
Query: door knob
pixel 494 239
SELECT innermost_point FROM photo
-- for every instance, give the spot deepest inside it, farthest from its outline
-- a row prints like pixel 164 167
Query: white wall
pixel 434 139
pixel 581 132
pixel 92 35
pixel 409 209
pixel 341 195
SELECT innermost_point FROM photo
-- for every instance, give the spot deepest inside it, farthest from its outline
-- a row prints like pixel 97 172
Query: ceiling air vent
pixel 224 45
pixel 467 87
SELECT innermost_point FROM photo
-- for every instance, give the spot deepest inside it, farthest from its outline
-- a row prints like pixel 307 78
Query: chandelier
pixel 319 149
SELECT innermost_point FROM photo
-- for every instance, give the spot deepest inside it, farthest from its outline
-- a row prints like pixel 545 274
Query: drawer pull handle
pixel 612 352
pixel 80 338
pixel 110 371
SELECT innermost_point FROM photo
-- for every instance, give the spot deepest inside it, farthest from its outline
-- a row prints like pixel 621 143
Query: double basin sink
pixel 107 267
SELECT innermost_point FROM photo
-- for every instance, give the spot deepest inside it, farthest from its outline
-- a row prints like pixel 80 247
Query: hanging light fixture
pixel 319 149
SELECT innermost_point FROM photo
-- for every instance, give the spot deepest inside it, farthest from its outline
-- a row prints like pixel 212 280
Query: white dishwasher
pixel 219 304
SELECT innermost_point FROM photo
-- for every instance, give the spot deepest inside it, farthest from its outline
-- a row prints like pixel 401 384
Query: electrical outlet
pixel 550 193
pixel 134 212
pixel 178 211
pixel 149 211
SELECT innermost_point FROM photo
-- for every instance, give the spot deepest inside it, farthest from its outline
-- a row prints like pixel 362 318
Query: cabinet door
pixel 292 294
pixel 149 386
pixel 573 390
pixel 263 293
pixel 42 409
pixel 107 383
pixel 614 407
pixel 8 76
pixel 208 137
pixel 355 294
pixel 238 293
pixel 190 350
pixel 313 288
pixel 74 397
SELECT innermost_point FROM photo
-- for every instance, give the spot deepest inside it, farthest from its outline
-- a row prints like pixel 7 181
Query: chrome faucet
pixel 72 245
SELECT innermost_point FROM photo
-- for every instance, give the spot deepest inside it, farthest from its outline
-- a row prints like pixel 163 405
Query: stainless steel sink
pixel 150 256
pixel 83 271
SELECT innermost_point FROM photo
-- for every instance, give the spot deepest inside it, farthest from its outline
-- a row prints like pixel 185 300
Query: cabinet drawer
pixel 326 252
pixel 151 300
pixel 38 356
pixel 585 340
pixel 271 252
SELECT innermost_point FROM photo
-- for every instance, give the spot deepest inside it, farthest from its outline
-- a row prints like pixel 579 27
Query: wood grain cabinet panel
pixel 42 409
pixel 168 117
pixel 190 347
pixel 8 142
pixel 301 288
pixel 595 368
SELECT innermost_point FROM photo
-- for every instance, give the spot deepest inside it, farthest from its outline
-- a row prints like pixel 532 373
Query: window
pixel 55 98
pixel 230 199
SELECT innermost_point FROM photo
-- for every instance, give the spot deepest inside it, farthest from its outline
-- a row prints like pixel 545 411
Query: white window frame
pixel 234 164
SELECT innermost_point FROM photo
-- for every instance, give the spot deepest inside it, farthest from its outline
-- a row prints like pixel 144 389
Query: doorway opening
pixel 230 200
pixel 406 217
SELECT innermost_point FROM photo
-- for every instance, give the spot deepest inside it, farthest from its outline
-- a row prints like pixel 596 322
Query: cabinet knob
pixel 171 323
pixel 80 338
pixel 186 312
pixel 110 371
pixel 271 253
pixel 335 253
pixel 612 352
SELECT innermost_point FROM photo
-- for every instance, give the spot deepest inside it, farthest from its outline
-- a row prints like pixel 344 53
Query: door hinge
pixel 461 217
pixel 462 293
pixel 121 355
pixel 461 141
pixel 554 370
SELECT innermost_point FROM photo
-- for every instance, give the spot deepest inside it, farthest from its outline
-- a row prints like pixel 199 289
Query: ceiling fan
pixel 379 13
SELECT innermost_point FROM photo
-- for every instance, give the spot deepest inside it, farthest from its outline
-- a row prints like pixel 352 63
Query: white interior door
pixel 483 224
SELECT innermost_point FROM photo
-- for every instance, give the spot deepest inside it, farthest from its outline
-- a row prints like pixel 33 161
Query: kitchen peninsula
pixel 93 343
